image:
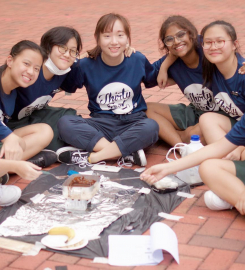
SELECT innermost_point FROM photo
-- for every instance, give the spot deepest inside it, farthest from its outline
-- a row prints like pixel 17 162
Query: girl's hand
pixel 13 147
pixel 240 205
pixel 27 170
pixel 242 69
pixel 162 79
pixel 235 154
pixel 129 50
pixel 84 55
pixel 154 174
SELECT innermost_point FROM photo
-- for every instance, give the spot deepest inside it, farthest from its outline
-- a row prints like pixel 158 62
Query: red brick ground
pixel 215 241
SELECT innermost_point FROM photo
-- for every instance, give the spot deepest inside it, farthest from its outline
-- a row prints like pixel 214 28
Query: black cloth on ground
pixel 145 213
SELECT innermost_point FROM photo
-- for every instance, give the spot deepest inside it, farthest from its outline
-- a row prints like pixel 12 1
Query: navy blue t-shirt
pixel 113 89
pixel 237 134
pixel 7 103
pixel 190 81
pixel 37 95
pixel 230 94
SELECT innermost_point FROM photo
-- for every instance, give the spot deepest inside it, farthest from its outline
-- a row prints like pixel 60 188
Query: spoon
pixel 57 177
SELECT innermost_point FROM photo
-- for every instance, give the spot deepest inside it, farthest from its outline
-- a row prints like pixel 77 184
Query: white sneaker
pixel 9 195
pixel 214 202
pixel 137 158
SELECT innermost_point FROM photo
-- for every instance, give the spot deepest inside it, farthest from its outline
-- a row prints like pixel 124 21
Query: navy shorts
pixel 131 132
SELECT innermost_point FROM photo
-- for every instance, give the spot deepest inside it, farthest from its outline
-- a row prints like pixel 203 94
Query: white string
pixel 180 146
pixel 121 162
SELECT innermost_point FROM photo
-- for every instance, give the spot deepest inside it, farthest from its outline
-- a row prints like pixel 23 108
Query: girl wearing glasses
pixel 225 178
pixel 179 38
pixel 62 45
pixel 118 125
pixel 220 68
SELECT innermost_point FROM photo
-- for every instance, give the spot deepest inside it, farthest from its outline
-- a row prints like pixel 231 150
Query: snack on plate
pixel 81 181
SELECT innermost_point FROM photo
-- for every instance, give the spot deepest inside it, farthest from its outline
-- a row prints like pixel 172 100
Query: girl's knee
pixel 46 129
pixel 47 133
pixel 205 170
pixel 205 119
pixel 151 128
pixel 153 125
pixel 64 123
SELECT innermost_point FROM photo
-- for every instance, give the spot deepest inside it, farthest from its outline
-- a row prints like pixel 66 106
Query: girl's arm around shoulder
pixel 162 78
pixel 75 78
pixel 218 149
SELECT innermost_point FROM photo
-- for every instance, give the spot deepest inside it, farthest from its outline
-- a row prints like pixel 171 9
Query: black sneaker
pixel 44 159
pixel 72 155
pixel 4 179
pixel 138 158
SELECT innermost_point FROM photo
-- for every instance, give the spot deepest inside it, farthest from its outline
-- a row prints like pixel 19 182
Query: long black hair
pixel 209 68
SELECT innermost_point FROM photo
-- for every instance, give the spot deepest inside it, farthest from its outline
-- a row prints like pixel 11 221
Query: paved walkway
pixel 207 239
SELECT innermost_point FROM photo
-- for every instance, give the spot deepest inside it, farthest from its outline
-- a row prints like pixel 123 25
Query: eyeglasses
pixel 63 49
pixel 169 40
pixel 218 44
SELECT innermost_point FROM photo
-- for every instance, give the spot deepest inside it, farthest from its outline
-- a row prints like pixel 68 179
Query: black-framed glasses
pixel 63 49
pixel 218 44
pixel 169 40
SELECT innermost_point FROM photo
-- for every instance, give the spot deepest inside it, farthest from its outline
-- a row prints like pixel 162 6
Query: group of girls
pixel 222 130
pixel 29 79
pixel 119 126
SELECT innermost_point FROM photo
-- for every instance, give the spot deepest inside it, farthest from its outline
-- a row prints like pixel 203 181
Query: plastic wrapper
pixel 105 207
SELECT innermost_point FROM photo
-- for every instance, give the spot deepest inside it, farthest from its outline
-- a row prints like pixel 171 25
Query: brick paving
pixel 207 239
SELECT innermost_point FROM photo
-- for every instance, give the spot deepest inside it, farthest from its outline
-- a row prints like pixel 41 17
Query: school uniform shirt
pixel 113 89
pixel 230 94
pixel 190 82
pixel 237 134
pixel 37 95
pixel 7 103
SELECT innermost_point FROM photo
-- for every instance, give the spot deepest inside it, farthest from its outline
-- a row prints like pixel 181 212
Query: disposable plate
pixel 60 240
pixel 78 245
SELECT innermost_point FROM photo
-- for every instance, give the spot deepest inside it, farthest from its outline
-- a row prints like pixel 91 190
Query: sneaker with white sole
pixel 71 155
pixel 4 179
pixel 214 202
pixel 44 159
pixel 137 158
pixel 9 195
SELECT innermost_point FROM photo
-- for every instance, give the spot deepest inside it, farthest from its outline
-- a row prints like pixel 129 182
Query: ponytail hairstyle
pixel 105 24
pixel 181 22
pixel 19 47
pixel 209 68
pixel 60 35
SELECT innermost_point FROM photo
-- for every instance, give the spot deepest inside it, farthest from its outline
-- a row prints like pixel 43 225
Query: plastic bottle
pixel 195 144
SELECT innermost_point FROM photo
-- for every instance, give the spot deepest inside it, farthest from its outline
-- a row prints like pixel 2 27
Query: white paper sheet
pixel 131 250
pixel 185 195
pixel 169 216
